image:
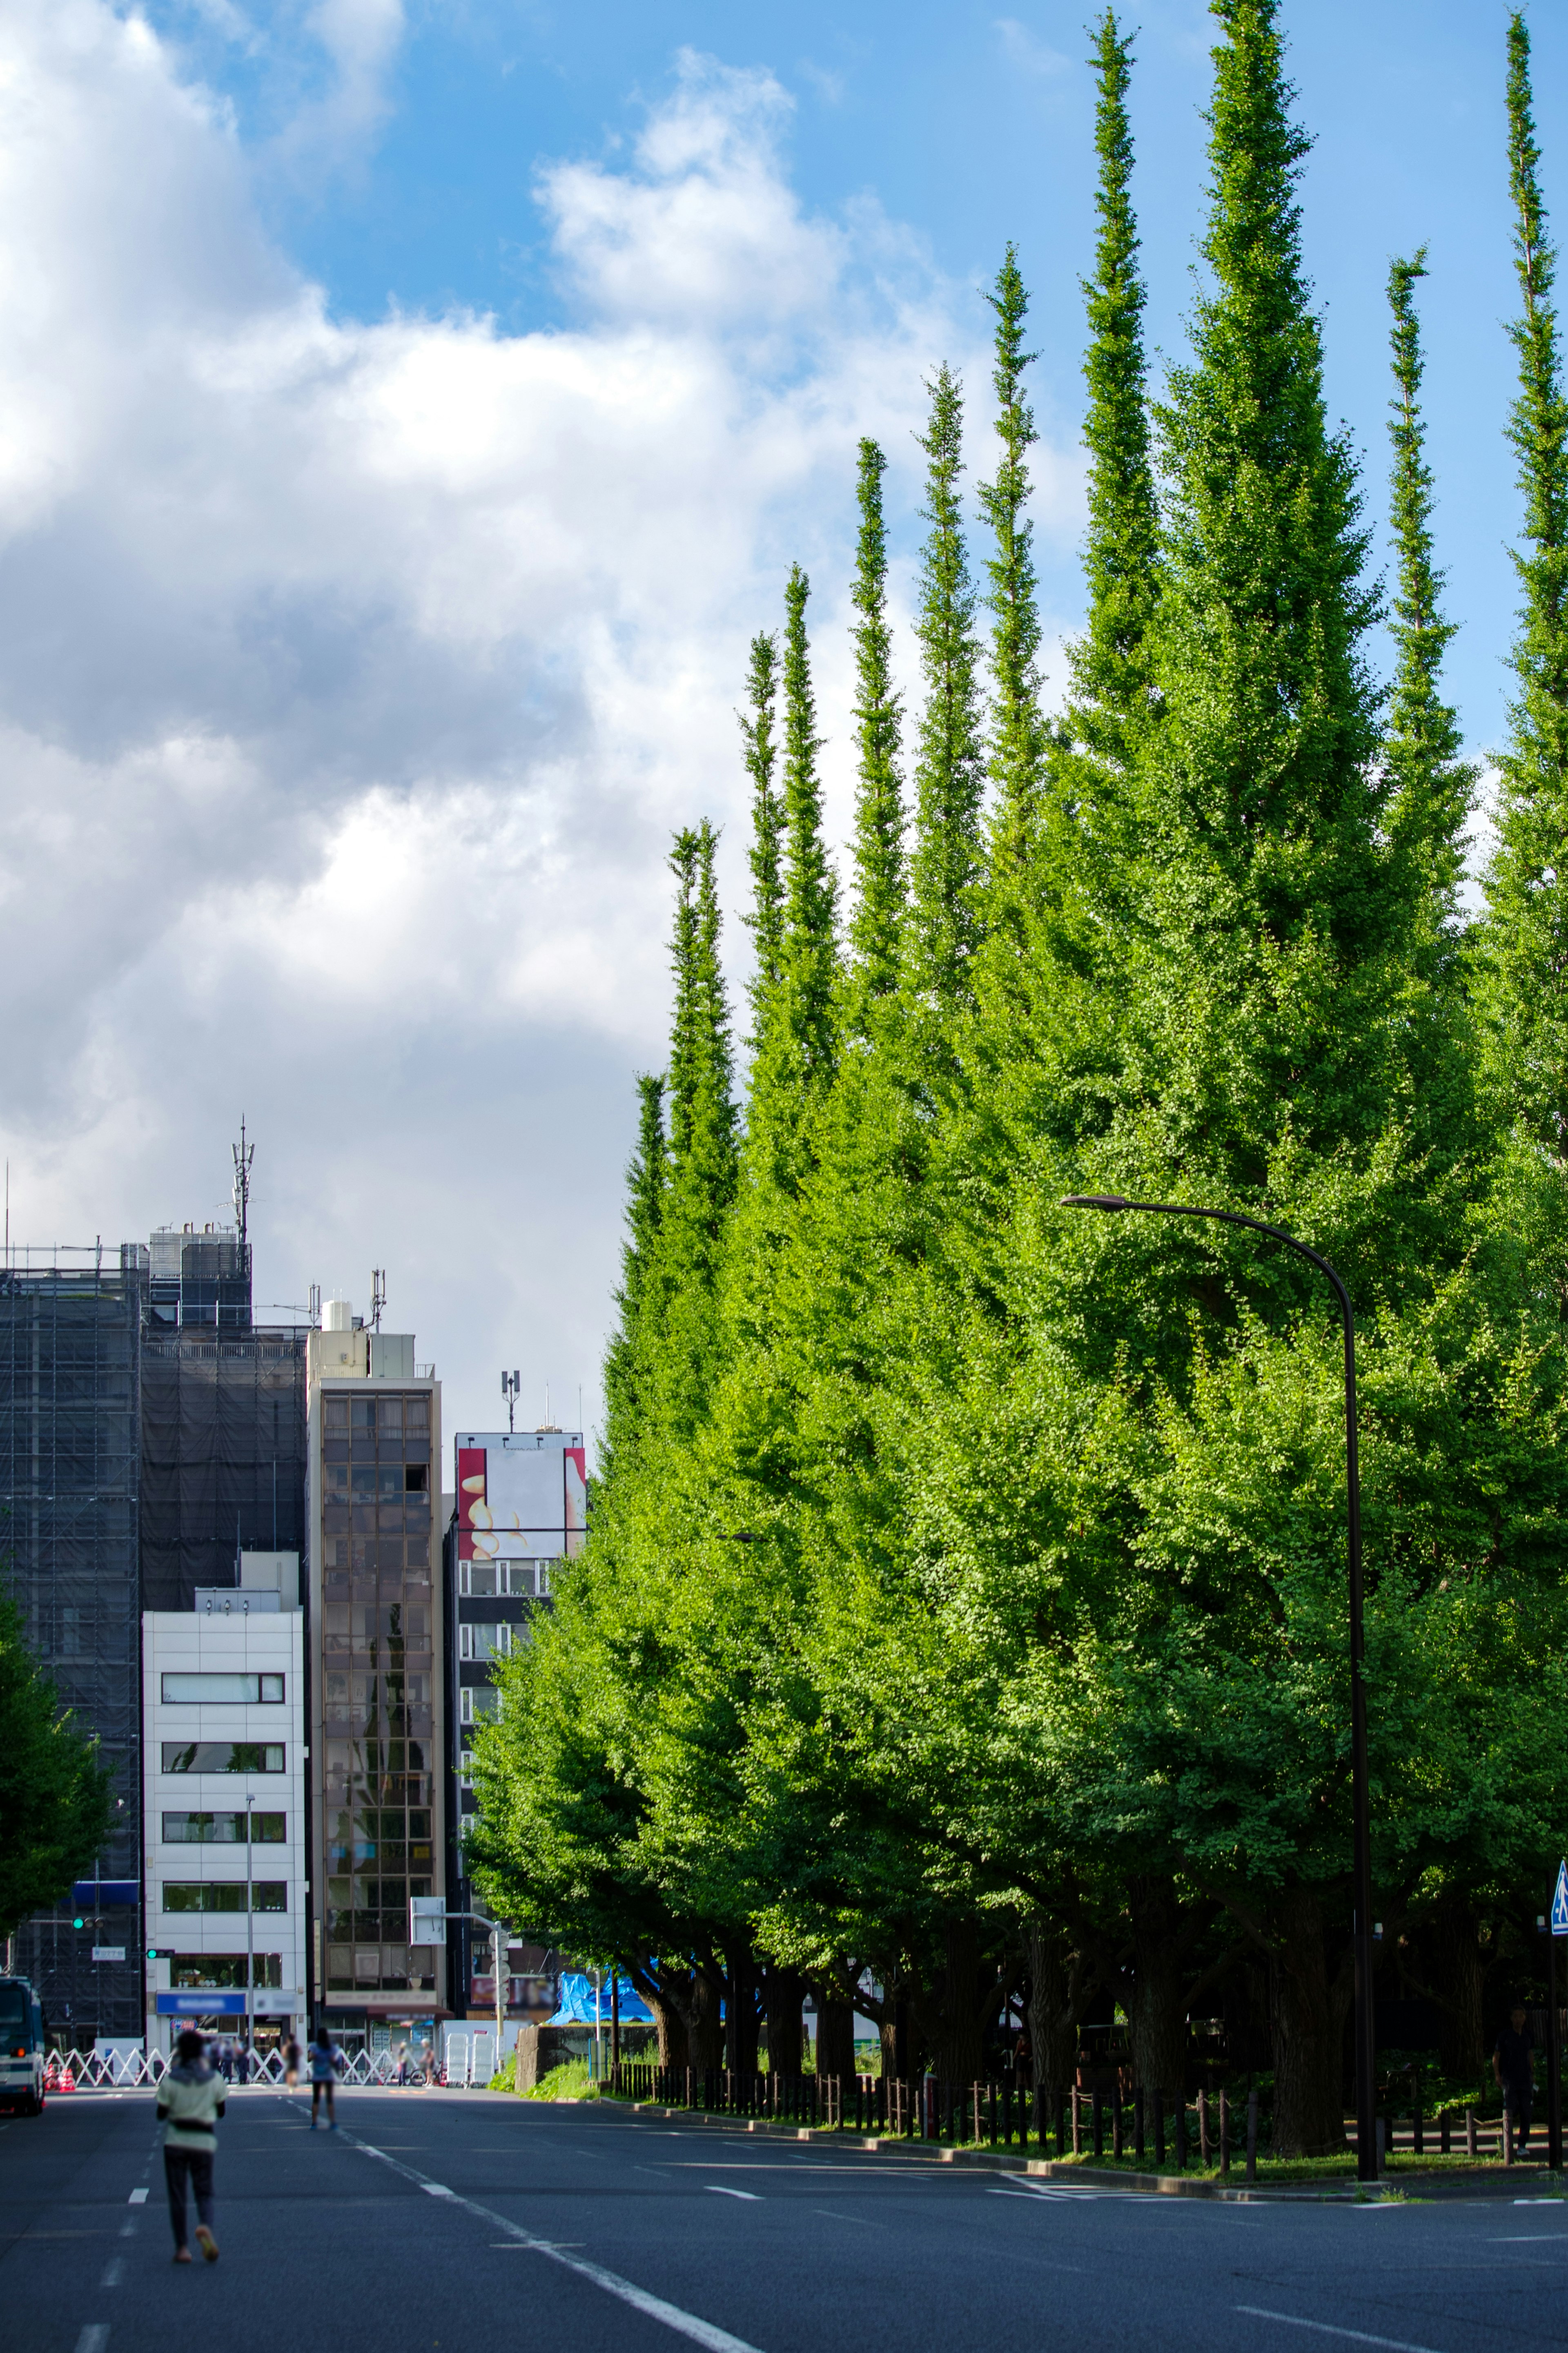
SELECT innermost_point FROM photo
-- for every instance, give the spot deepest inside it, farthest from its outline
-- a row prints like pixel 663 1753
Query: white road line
pixel 94 2338
pixel 114 2274
pixel 685 2324
pixel 431 2189
pixel 1325 2328
pixel 717 2189
pixel 137 2198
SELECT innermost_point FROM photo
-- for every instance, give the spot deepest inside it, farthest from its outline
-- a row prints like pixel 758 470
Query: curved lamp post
pixel 1361 1805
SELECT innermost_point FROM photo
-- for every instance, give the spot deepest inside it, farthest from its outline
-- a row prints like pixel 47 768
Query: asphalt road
pixel 496 2223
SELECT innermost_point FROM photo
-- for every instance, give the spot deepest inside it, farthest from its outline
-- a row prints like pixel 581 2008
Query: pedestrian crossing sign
pixel 1560 1903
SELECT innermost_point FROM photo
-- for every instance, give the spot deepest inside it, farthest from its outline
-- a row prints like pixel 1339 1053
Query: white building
pixel 226 1782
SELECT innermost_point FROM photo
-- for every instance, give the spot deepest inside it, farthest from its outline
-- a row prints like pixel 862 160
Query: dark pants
pixel 1517 2099
pixel 198 2164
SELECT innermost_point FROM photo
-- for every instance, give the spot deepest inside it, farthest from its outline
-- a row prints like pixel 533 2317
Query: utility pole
pixel 249 1943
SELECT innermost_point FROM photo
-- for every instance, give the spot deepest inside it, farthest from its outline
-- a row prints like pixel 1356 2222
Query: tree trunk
pixel 740 2012
pixel 704 2025
pixel 958 2013
pixel 784 1992
pixel 1307 2032
pixel 1053 2006
pixel 672 2043
pixel 1156 1998
pixel 1461 1971
pixel 835 2036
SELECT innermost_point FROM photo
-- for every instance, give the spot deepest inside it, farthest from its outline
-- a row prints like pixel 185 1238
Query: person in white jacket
pixel 190 2102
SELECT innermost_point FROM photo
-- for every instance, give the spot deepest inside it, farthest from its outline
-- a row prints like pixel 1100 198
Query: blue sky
pixel 408 413
pixel 967 125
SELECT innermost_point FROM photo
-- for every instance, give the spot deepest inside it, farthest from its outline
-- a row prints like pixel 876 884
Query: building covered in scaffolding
pixel 151 1433
pixel 71 1327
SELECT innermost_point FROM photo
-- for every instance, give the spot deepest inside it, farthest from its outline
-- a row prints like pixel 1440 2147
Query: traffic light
pixel 78 1922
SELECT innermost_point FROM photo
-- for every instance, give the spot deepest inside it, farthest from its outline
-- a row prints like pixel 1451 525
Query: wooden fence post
pixel 1224 2130
pixel 1252 2135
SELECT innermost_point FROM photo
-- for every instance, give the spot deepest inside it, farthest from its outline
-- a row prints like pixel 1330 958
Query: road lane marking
pixel 717 2189
pixel 431 2189
pixel 685 2324
pixel 1325 2328
pixel 137 2198
pixel 94 2338
pixel 114 2274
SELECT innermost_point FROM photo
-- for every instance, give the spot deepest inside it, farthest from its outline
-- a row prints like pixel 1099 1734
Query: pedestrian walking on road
pixel 402 2064
pixel 428 2065
pixel 291 2061
pixel 190 2101
pixel 1513 2065
pixel 326 2066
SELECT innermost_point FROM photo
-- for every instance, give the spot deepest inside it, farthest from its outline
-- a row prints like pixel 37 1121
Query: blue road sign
pixel 1560 1903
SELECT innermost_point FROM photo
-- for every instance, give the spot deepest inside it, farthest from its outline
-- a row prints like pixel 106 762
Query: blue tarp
pixel 577 2003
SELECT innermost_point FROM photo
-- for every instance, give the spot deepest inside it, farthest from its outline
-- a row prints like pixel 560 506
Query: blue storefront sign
pixel 212 2003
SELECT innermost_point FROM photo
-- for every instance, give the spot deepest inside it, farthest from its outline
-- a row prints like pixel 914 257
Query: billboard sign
pixel 522 1497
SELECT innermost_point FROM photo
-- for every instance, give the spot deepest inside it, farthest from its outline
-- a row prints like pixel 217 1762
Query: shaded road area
pixel 435 2221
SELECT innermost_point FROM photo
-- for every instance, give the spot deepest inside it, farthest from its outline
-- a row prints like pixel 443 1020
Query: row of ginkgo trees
pixel 964 1610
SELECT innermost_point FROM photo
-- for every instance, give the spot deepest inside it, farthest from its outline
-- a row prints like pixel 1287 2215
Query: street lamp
pixel 1360 1803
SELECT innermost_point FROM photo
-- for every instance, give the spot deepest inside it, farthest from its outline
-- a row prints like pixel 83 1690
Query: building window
pixel 224 1895
pixel 477 1703
pixel 191 1971
pixel 223 1829
pixel 184 1691
pixel 484 1641
pixel 521 1578
pixel 222 1756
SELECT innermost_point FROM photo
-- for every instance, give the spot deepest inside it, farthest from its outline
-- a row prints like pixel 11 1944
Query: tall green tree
pixel 56 1806
pixel 703 1144
pixel 1017 734
pixel 1526 942
pixel 766 915
pixel 1111 661
pixel 810 892
pixel 646 1178
pixel 946 866
pixel 1432 785
pixel 876 927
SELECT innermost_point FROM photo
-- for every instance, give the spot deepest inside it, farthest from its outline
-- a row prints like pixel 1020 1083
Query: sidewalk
pixel 1525 2178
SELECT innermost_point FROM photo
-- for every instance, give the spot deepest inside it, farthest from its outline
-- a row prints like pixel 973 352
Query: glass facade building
pixel 375 1632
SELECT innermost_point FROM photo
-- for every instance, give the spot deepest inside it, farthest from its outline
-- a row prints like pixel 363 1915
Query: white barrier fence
pixel 469 2064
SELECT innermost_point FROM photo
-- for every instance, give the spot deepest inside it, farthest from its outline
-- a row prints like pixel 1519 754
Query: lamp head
pixel 1094 1201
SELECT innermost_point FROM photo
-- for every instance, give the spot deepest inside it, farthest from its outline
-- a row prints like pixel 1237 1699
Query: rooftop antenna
pixel 509 1385
pixel 377 1295
pixel 314 1310
pixel 244 1154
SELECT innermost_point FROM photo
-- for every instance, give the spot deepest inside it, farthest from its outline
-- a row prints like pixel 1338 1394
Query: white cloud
pixel 353 676
pixel 1026 50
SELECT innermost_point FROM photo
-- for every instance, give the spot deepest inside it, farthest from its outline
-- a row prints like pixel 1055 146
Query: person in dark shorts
pixel 190 2101
pixel 326 2065
pixel 1513 2065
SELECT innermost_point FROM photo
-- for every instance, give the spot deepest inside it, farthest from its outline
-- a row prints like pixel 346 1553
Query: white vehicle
pixel 21 2047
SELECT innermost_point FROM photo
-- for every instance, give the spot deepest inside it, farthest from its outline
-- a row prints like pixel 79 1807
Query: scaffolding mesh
pixel 223 1458
pixel 69 1472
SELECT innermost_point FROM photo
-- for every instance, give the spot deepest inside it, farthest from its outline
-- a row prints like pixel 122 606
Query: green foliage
pixel 967 1594
pixel 945 867
pixel 875 931
pixel 56 1807
pixel 1525 948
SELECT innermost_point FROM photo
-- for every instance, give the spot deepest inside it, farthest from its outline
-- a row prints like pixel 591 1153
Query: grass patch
pixel 571 2081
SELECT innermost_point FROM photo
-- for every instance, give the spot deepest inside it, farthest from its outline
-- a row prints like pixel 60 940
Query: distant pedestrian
pixel 190 2101
pixel 428 2065
pixel 402 2063
pixel 291 2061
pixel 1513 2065
pixel 326 2066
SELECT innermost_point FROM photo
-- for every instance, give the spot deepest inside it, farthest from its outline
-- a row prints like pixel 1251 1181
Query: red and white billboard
pixel 522 1496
